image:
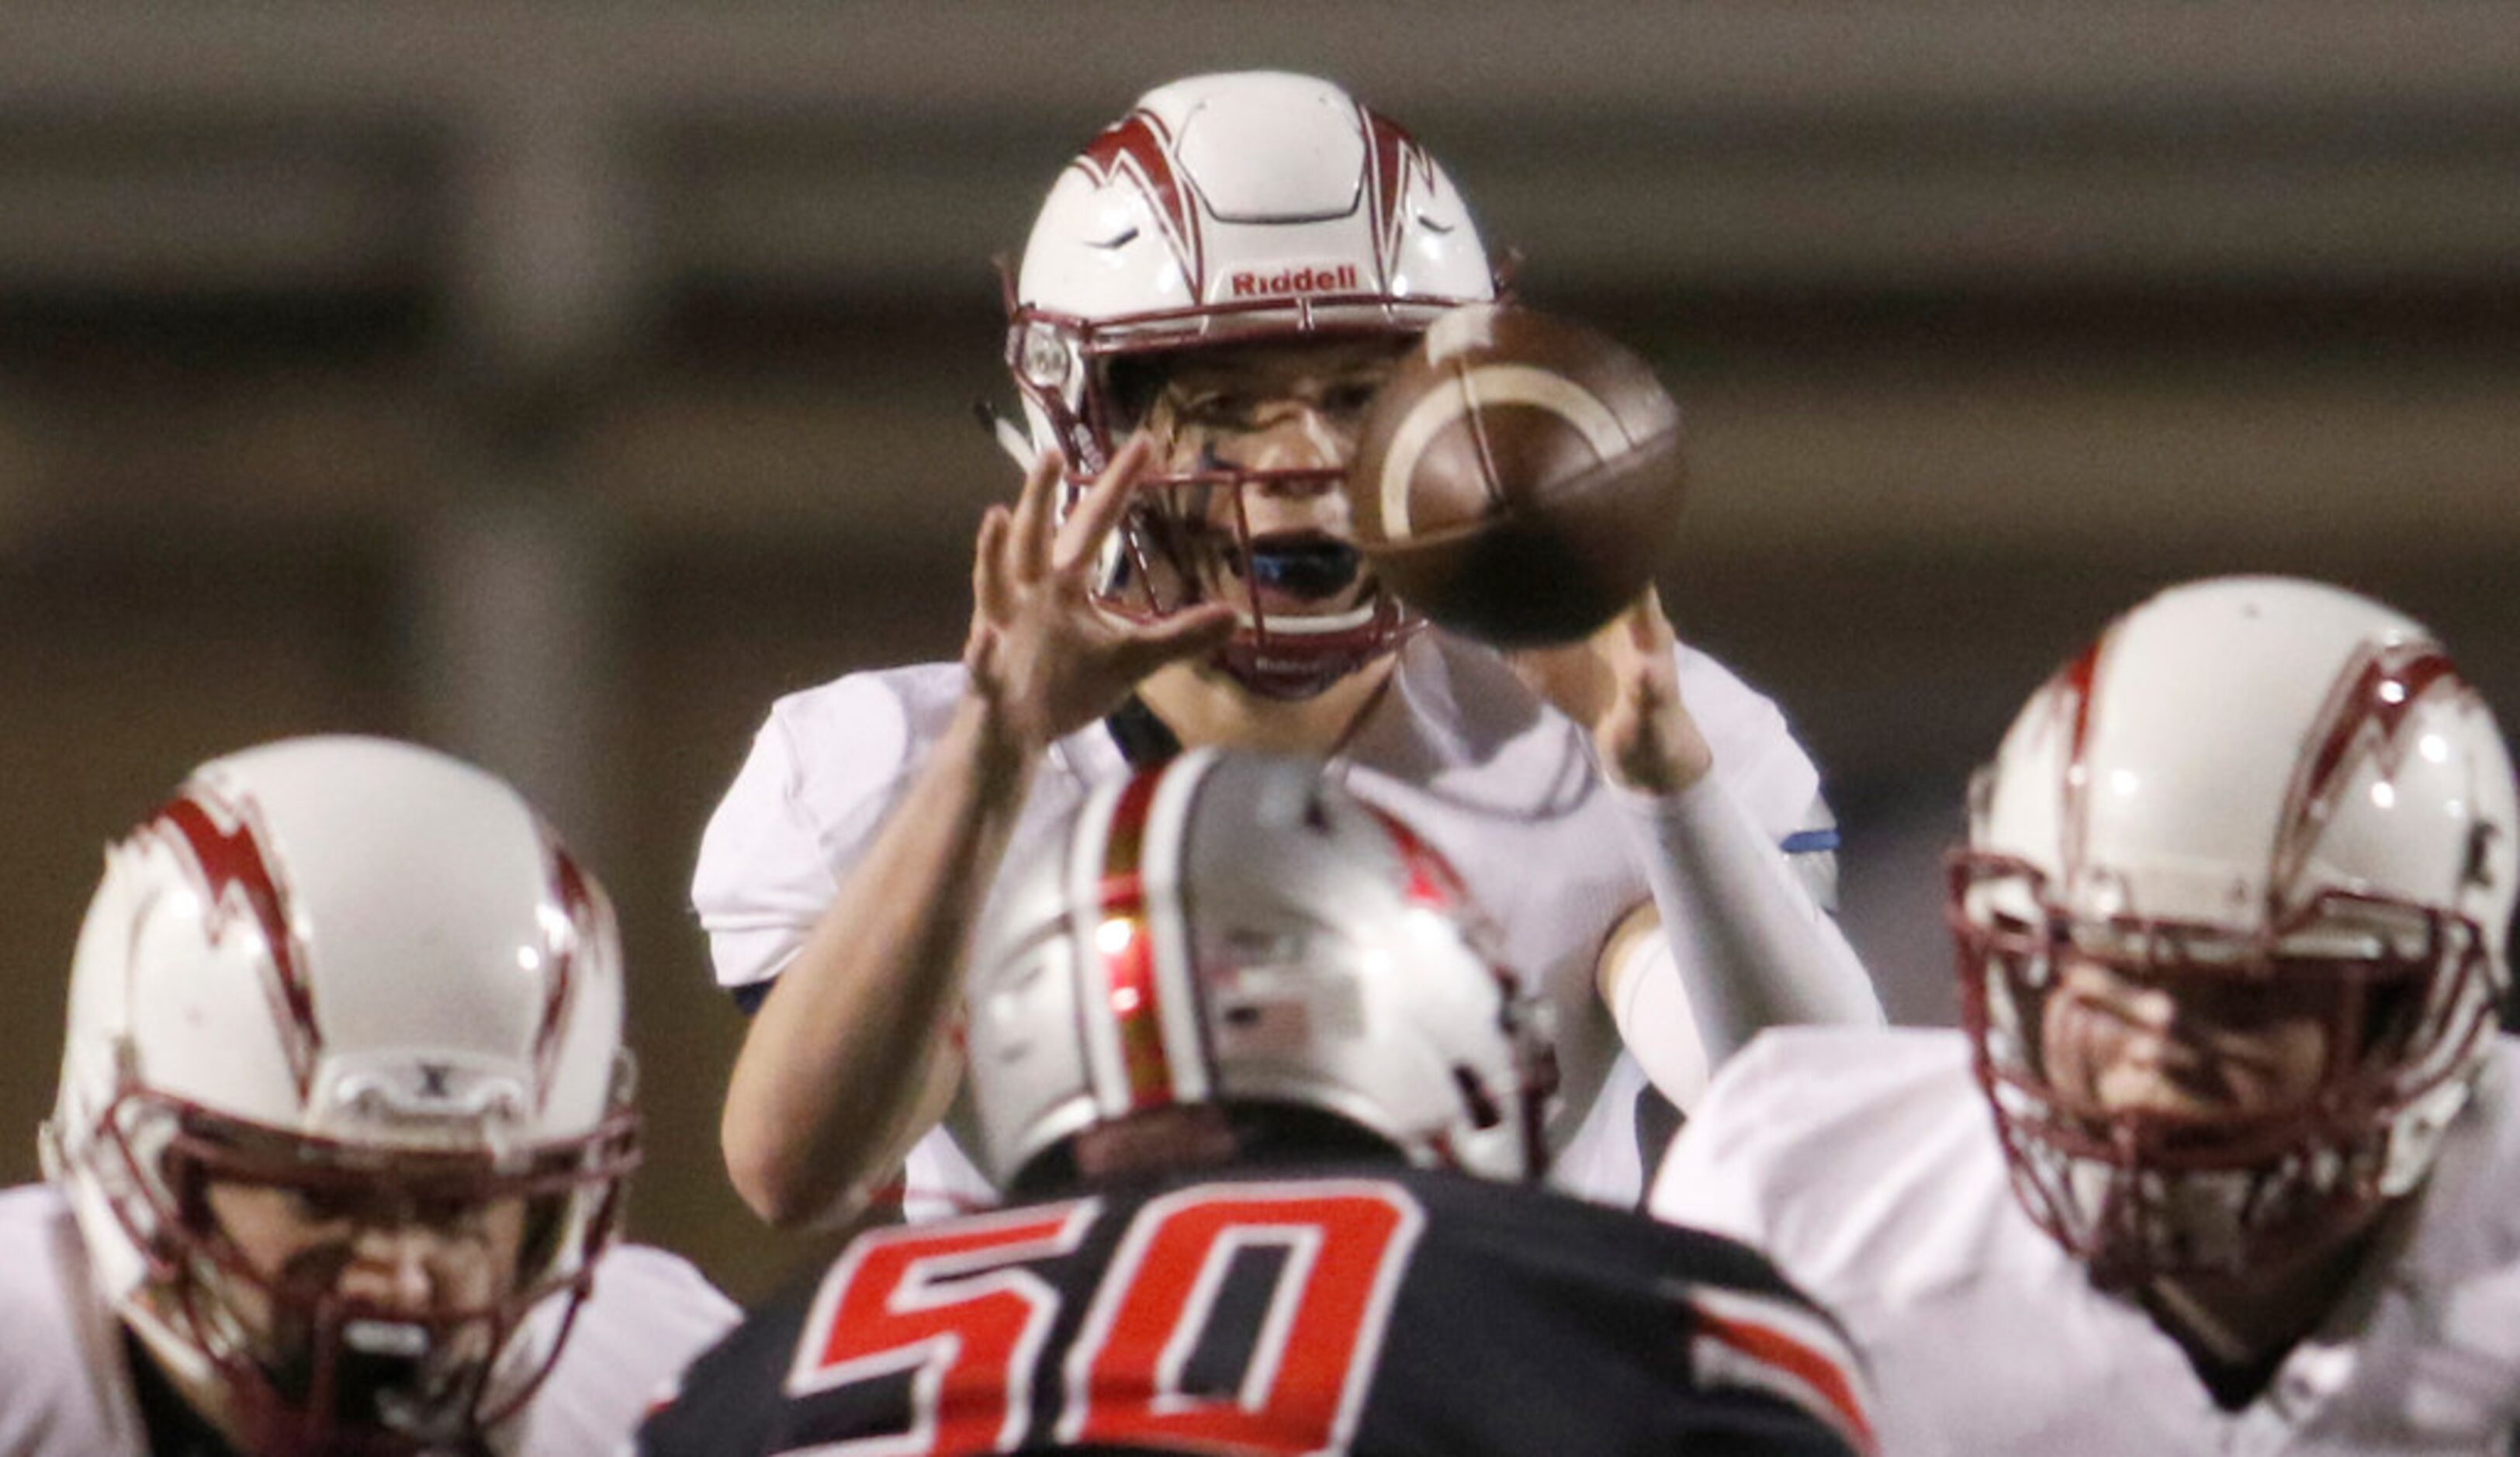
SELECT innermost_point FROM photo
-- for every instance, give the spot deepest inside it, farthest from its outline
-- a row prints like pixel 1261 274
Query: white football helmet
pixel 2248 780
pixel 343 967
pixel 1231 929
pixel 1223 209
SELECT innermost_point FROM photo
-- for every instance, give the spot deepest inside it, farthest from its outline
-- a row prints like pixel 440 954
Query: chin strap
pixel 1263 663
pixel 1010 435
pixel 1272 678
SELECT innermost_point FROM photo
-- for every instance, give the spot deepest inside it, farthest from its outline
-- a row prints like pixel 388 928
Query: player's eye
pixel 325 1205
pixel 1217 408
pixel 446 1211
pixel 1349 398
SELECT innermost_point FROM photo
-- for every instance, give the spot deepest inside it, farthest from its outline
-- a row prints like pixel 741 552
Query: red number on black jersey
pixel 1344 1248
pixel 951 1305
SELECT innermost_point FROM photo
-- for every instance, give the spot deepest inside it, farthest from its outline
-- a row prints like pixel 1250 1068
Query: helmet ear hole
pixel 2392 1018
pixel 2479 871
pixel 546 1224
pixel 1484 1112
pixel 190 1183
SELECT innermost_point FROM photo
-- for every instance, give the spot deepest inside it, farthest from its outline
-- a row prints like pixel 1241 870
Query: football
pixel 1520 478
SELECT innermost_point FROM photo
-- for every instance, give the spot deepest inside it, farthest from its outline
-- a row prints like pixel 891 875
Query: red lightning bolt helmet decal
pixel 224 847
pixel 1393 161
pixel 1138 147
pixel 2365 716
pixel 2075 688
pixel 575 926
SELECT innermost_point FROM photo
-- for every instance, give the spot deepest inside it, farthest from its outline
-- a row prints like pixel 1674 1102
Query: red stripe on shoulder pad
pixel 1784 1351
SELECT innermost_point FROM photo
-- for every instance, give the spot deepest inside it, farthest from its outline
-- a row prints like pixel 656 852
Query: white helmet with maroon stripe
pixel 2242 780
pixel 349 968
pixel 1235 208
pixel 1232 929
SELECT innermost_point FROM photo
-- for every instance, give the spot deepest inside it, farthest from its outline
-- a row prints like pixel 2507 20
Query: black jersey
pixel 1362 1309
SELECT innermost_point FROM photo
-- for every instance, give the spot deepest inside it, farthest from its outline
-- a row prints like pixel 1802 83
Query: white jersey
pixel 65 1387
pixel 1498 781
pixel 1865 1164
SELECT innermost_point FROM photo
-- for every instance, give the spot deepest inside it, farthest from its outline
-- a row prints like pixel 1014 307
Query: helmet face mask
pixel 1251 210
pixel 2230 928
pixel 2308 1065
pixel 249 1231
pixel 1243 505
pixel 344 1115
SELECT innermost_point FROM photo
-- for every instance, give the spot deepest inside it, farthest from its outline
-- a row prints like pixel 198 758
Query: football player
pixel 1238 1042
pixel 2232 923
pixel 343 1119
pixel 1212 293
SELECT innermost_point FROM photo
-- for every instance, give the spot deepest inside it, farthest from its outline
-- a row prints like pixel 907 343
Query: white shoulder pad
pixel 824 771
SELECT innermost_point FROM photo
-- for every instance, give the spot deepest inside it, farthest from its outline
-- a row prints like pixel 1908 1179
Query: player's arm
pixel 1731 942
pixel 1731 938
pixel 848 1058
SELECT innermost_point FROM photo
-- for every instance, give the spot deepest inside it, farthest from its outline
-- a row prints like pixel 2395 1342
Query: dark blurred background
pixel 559 383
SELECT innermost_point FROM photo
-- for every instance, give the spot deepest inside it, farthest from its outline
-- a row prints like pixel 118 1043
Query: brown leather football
pixel 1520 478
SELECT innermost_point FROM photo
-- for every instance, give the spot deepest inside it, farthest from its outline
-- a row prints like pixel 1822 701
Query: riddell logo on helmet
pixel 1337 279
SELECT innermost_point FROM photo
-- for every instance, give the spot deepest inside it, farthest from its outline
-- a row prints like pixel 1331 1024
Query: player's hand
pixel 1044 658
pixel 1622 684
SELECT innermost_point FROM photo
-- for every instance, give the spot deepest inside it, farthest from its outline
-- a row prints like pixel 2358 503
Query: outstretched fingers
pixel 1649 625
pixel 1081 538
pixel 1036 513
pixel 1651 639
pixel 992 594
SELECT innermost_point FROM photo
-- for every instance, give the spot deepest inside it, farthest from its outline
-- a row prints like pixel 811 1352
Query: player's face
pixel 1273 408
pixel 2202 1048
pixel 416 1253
pixel 379 1257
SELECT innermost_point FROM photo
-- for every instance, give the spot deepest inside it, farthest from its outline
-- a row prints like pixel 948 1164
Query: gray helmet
pixel 1234 929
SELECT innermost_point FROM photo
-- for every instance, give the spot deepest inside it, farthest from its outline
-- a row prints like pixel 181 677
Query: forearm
pixel 1749 948
pixel 839 1070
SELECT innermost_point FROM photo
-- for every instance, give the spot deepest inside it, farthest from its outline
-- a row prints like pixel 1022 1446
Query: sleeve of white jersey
pixel 1759 849
pixel 823 770
pixel 650 1315
pixel 1766 769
